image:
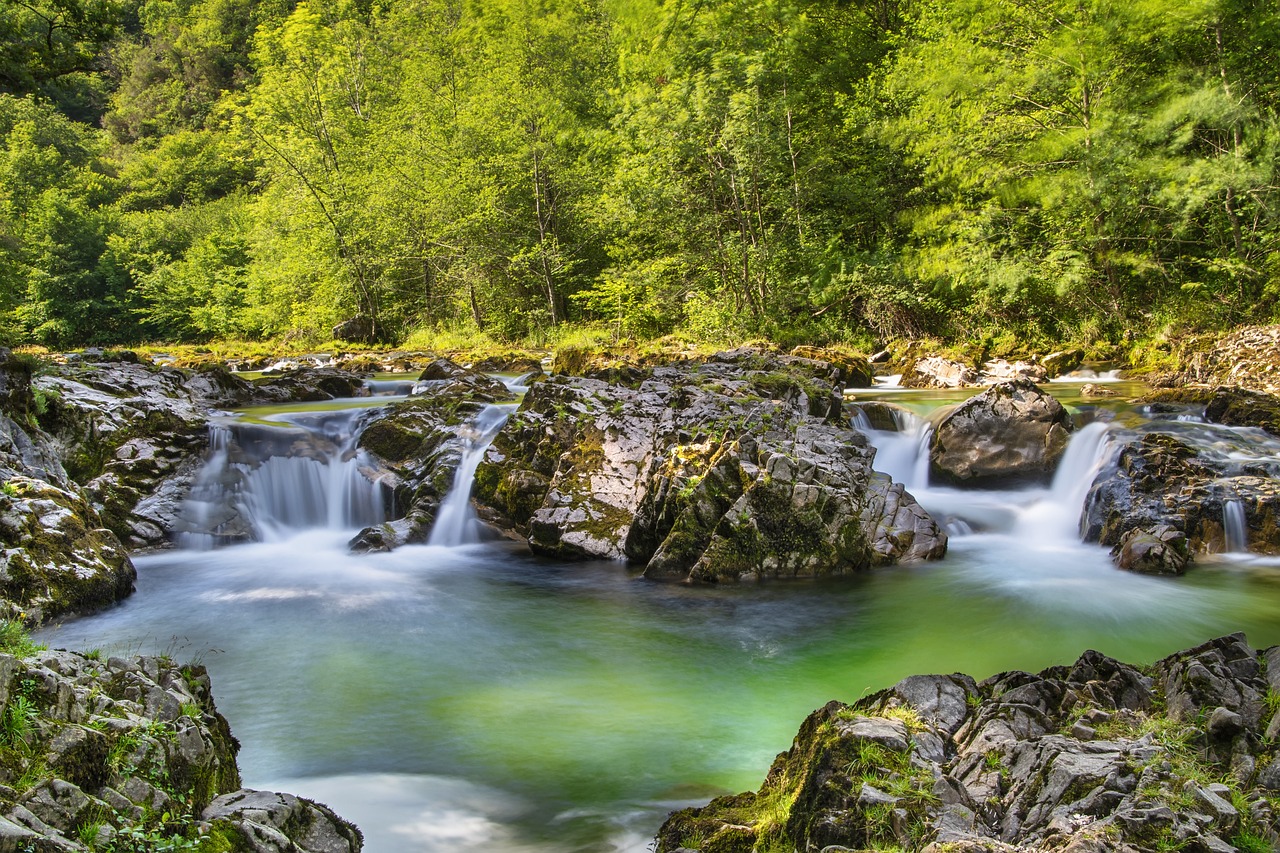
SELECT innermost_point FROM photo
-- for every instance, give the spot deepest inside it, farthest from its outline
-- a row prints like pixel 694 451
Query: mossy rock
pixel 1240 407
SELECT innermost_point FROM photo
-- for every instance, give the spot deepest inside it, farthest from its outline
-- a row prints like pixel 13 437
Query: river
pixel 471 697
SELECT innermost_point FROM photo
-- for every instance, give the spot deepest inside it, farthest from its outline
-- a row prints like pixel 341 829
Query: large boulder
pixel 1003 370
pixel 1062 361
pixel 738 467
pixel 1168 497
pixel 1094 756
pixel 55 556
pixel 1010 433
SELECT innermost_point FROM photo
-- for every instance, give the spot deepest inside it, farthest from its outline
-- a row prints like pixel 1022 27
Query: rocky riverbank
pixel 1095 756
pixel 131 754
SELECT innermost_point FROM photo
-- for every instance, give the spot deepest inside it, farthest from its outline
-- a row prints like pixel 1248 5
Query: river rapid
pixel 465 696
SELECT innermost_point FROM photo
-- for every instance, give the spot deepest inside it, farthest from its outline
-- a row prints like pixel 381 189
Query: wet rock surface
pixel 135 748
pixel 419 442
pixel 1094 756
pixel 131 434
pixel 739 467
pixel 1010 433
pixel 1169 496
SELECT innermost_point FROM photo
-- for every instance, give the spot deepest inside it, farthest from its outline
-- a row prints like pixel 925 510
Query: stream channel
pixel 465 696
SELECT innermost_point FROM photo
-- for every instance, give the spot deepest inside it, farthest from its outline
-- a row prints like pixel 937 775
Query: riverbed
pixel 475 697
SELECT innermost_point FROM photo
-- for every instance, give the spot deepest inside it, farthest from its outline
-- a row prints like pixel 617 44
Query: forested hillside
pixel 187 170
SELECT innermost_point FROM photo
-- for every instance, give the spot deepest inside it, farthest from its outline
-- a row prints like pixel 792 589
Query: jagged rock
pixel 1165 498
pixel 306 385
pixel 734 468
pixel 938 372
pixel 264 822
pixel 1002 370
pixel 443 378
pixel 1062 361
pixel 1012 432
pixel 1247 357
pixel 944 764
pixel 855 370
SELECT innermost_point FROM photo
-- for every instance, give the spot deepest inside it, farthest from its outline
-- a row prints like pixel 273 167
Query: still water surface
pixel 477 698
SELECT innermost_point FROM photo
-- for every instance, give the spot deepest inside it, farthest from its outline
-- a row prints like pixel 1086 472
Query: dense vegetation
pixel 190 170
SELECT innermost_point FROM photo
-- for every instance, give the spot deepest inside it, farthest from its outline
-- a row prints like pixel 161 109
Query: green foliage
pixel 14 639
pixel 18 722
pixel 802 171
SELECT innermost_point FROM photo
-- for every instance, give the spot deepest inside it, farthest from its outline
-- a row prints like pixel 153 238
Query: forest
pixel 798 170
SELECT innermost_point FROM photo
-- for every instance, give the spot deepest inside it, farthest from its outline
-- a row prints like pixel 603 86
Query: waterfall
pixel 1234 527
pixel 904 454
pixel 199 515
pixel 1057 515
pixel 455 522
pixel 265 480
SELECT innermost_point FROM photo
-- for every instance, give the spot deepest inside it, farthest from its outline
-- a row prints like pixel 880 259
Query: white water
pixel 903 453
pixel 291 472
pixel 1234 527
pixel 456 523
pixel 1037 516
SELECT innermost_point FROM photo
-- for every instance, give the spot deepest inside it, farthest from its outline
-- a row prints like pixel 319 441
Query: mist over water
pixel 475 698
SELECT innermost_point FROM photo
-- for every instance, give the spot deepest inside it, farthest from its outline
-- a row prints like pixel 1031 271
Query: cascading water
pixel 456 522
pixel 1057 515
pixel 903 453
pixel 1052 514
pixel 1234 528
pixel 292 472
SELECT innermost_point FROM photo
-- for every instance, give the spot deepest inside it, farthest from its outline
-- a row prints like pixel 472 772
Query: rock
pixel 1225 724
pixel 1247 357
pixel 1062 361
pixel 56 558
pixel 1165 499
pixel 1001 370
pixel 307 385
pixel 357 330
pixel 443 378
pixel 419 442
pixel 1160 551
pixel 264 822
pixel 1010 433
pixel 1003 776
pixel 1091 390
pixel 1240 407
pixel 938 372
pixel 736 468
pixel 855 370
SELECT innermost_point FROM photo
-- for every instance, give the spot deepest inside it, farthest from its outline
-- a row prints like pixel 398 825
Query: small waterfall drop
pixel 263 481
pixel 904 454
pixel 1234 527
pixel 1057 515
pixel 456 522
